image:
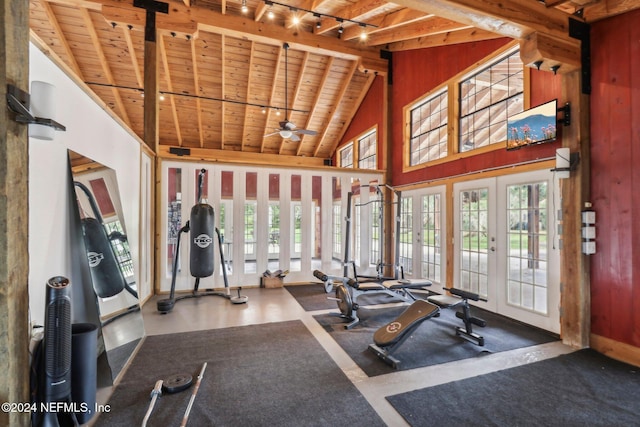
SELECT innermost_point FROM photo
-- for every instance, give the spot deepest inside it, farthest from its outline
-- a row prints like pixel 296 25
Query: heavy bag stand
pixel 166 305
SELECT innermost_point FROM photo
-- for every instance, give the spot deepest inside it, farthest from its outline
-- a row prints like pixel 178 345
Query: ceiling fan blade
pixel 294 137
pixel 271 134
pixel 307 132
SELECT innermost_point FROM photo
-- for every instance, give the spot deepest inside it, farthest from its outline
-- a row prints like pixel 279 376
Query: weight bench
pixel 389 337
pixel 346 294
pixel 460 298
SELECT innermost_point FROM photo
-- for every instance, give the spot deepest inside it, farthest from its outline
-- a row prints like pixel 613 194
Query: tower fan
pixel 55 370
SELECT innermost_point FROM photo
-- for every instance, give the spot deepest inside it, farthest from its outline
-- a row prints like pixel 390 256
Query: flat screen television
pixel 533 126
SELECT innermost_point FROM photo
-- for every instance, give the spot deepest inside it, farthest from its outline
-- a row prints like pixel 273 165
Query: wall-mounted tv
pixel 533 126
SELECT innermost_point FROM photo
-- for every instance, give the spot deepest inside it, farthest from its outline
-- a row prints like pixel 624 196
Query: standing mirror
pixel 113 280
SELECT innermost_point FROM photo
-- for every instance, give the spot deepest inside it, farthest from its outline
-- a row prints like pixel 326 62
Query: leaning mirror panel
pixel 111 275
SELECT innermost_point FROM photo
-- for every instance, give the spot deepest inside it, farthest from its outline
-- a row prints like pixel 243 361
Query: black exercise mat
pixel 433 342
pixel 274 374
pixel 313 297
pixel 579 389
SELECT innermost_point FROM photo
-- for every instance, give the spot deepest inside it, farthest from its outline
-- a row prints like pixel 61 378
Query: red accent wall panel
pixel 615 177
pixel 370 113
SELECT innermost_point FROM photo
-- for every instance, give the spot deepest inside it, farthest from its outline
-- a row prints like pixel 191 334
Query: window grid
pixel 406 235
pixel 428 123
pixel 337 229
pixel 473 234
pixel 528 249
pixel 431 232
pixel 367 150
pixel 487 98
pixel 346 156
pixel 374 241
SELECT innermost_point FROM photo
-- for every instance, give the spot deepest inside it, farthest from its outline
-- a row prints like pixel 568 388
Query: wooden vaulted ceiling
pixel 222 71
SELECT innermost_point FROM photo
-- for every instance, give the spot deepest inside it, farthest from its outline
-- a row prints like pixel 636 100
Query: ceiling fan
pixel 287 129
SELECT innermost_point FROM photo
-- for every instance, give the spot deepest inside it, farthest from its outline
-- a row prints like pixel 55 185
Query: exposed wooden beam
pixel 196 84
pixel 91 29
pixel 515 18
pixel 247 95
pixel 454 37
pixel 356 105
pixel 423 28
pixel 132 54
pixel 189 20
pixel 272 97
pixel 65 45
pixel 223 84
pixel 354 11
pixel 230 156
pixel 296 91
pixel 345 85
pixel 608 8
pixel 167 75
pixel 551 51
pixel 386 22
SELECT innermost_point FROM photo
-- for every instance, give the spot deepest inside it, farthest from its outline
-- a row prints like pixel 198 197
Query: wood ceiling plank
pixel 169 86
pixel 269 112
pixel 337 99
pixel 247 96
pixel 423 28
pixel 88 22
pixel 196 84
pixel 444 39
pixel 68 54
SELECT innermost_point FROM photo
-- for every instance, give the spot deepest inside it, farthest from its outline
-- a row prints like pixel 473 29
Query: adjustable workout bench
pixel 347 293
pixel 389 337
pixel 460 298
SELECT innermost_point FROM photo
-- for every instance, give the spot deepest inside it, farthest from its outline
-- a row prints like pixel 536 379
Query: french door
pixel 505 245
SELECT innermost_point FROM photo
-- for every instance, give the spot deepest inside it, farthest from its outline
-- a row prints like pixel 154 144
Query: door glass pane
pixel 406 235
pixel 225 218
pixel 336 190
pixel 296 222
pixel 473 233
pixel 273 226
pixel 316 201
pixel 250 223
pixel 174 215
pixel 376 211
pixel 527 242
pixel 431 237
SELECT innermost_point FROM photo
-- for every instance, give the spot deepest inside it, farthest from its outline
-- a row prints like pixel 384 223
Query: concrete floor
pixel 275 305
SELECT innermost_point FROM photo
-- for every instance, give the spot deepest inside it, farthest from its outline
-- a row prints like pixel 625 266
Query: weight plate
pixel 177 383
pixel 344 301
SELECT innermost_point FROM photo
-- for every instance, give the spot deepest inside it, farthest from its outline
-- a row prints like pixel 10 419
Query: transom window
pixel 346 156
pixel 367 149
pixel 362 152
pixel 487 98
pixel 428 121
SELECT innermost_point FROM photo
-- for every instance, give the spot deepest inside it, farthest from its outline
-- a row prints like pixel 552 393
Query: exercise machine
pixel 459 298
pixel 347 293
pixel 201 229
pixel 390 337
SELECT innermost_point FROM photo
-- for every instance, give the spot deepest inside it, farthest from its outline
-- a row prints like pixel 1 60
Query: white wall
pixel 93 133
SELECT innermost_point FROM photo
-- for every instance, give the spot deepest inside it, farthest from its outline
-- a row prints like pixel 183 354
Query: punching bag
pixel 106 275
pixel 201 227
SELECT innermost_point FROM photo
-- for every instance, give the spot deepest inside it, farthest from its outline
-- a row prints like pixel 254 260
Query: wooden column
pixel 151 106
pixel 14 214
pixel 575 321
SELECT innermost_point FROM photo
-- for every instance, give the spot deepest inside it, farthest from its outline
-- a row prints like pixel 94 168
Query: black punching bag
pixel 106 275
pixel 201 227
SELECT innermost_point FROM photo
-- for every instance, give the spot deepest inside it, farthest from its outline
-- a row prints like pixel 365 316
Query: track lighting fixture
pixel 318 15
pixel 538 63
pixel 555 68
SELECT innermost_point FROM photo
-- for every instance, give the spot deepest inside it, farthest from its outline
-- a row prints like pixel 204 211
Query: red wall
pixel 416 72
pixel 370 113
pixel 615 177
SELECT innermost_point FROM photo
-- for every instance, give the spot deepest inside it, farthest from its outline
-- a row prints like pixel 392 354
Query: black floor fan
pixel 54 362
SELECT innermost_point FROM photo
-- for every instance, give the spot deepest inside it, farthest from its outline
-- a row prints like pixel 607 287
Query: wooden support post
pixel 575 321
pixel 14 214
